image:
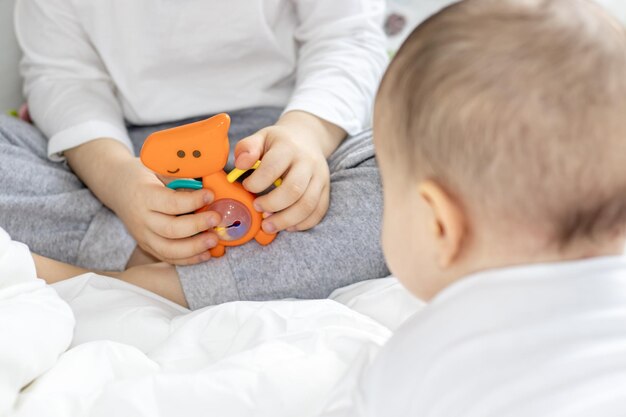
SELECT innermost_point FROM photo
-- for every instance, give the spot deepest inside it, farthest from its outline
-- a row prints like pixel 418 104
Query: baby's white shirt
pixel 90 65
pixel 543 340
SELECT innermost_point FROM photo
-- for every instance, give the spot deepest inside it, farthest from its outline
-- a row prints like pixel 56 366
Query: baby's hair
pixel 517 108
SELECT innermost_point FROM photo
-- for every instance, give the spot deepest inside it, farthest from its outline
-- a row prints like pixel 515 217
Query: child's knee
pixel 353 152
pixel 17 133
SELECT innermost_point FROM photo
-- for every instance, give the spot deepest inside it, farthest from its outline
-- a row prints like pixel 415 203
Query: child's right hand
pixel 153 214
pixel 157 218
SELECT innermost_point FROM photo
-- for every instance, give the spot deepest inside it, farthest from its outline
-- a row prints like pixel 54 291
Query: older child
pixel 296 77
pixel 501 137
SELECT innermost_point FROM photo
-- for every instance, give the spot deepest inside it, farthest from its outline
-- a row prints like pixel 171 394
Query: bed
pixel 136 354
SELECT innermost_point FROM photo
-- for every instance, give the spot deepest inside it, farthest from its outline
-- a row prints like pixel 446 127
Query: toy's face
pixel 191 151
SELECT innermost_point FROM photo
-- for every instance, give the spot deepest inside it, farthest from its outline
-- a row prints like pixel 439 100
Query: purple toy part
pixel 236 219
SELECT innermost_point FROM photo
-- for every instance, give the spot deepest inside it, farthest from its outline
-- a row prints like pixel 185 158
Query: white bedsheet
pixel 136 354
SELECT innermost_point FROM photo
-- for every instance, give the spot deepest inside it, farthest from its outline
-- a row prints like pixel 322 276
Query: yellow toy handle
pixel 236 173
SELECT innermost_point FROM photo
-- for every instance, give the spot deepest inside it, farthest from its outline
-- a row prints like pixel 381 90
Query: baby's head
pixel 500 129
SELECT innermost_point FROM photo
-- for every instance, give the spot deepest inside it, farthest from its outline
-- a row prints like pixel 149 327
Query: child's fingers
pixel 175 250
pixel 180 227
pixel 164 200
pixel 294 185
pixel 318 214
pixel 192 260
pixel 299 212
pixel 165 179
pixel 197 259
pixel 249 150
pixel 273 165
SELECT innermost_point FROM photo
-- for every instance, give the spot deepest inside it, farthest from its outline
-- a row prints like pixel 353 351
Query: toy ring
pixel 187 184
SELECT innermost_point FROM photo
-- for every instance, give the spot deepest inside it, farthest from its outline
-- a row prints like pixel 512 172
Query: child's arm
pixel 53 271
pixel 341 59
pixel 72 100
pixel 160 278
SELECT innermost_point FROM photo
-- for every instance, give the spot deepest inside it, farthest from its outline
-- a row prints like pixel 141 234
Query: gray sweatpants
pixel 43 204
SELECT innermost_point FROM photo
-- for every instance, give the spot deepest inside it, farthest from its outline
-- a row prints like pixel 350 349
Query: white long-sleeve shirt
pixel 90 65
pixel 543 341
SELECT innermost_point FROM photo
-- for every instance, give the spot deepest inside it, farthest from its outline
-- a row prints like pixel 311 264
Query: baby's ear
pixel 448 226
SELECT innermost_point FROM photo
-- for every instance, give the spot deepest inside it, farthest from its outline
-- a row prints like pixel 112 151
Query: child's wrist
pixel 325 134
pixel 101 165
pixel 124 173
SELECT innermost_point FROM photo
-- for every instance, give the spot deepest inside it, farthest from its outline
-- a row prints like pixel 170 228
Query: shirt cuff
pixel 340 116
pixel 83 133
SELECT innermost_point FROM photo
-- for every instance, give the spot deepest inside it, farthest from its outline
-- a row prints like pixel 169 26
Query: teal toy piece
pixel 189 184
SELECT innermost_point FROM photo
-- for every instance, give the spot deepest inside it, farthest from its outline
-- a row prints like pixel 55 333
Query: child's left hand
pixel 294 149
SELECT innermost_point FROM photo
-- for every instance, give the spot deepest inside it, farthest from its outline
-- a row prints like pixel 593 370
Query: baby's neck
pixel 506 255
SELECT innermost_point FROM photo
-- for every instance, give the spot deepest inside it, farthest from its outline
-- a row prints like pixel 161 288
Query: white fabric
pixel 544 340
pixel 150 61
pixel 135 354
pixel 35 324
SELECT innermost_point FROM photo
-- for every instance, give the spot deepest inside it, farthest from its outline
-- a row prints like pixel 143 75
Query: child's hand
pixel 148 209
pixel 295 149
pixel 156 217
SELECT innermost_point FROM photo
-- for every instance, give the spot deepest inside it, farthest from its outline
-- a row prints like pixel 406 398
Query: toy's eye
pixel 181 154
pixel 197 154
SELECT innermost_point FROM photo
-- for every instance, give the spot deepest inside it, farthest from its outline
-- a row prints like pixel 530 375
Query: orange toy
pixel 200 149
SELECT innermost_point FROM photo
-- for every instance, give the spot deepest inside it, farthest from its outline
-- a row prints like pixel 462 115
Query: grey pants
pixel 43 204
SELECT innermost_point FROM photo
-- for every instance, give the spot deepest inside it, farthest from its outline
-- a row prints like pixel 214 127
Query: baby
pixel 500 129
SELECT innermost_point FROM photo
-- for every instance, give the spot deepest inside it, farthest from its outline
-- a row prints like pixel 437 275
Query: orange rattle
pixel 200 149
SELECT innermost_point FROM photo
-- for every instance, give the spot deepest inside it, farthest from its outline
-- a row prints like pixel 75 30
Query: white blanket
pixel 35 324
pixel 136 354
